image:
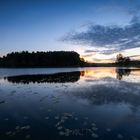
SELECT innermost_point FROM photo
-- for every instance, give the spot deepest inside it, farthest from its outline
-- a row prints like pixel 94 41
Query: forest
pixel 41 59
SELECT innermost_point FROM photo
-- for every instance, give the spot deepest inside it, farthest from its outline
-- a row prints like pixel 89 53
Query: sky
pixel 97 29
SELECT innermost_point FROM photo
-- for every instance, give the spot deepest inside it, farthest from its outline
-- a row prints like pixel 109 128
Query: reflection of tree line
pixel 119 73
pixel 60 77
pixel 45 78
pixel 122 72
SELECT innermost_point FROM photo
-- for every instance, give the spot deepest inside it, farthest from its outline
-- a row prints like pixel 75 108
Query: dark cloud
pixel 135 19
pixel 135 11
pixel 112 38
pixel 90 51
pixel 108 51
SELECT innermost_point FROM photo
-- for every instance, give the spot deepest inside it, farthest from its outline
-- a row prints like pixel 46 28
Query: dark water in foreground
pixel 87 103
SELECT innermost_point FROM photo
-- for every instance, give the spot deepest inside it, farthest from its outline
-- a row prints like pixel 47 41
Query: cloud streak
pixel 110 38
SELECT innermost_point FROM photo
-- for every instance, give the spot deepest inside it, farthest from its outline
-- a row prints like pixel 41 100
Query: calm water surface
pixel 75 103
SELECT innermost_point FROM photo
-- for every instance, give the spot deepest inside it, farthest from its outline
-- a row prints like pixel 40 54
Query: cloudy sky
pixel 97 29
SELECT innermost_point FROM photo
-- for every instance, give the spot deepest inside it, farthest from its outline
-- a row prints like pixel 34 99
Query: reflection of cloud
pixel 110 91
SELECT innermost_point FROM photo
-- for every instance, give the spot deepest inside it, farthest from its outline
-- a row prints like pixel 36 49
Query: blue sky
pixel 42 25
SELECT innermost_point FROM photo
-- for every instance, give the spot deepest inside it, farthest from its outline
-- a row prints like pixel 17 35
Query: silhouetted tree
pixel 122 60
pixel 41 59
pixel 119 58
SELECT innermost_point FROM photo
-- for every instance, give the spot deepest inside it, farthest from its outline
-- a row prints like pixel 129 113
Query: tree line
pixel 42 59
pixel 126 61
pixel 57 59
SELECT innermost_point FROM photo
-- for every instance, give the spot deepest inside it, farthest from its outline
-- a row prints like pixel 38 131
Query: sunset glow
pixel 91 28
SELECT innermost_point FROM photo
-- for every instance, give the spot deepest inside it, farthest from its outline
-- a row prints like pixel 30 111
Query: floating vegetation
pixel 64 118
pixel 94 135
pixel 60 127
pixel 61 133
pixel 108 129
pixel 134 138
pixel 86 118
pixel 62 121
pixel 19 130
pixel 6 119
pixel 68 114
pixel 8 133
pixel 25 117
pixel 76 118
pixel 14 133
pixel 46 118
pixel 58 124
pixel 120 136
pixel 56 117
pixel 25 127
pixel 49 110
pixel 27 136
pixel 85 123
pixel 67 132
pixel 94 128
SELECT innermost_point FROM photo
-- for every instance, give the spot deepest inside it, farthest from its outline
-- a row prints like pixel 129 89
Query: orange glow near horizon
pixel 99 73
pixel 110 58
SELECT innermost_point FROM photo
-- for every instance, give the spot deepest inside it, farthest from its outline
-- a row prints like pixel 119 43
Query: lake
pixel 70 103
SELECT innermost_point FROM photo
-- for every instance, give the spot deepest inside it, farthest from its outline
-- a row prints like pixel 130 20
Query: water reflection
pixel 93 103
pixel 122 72
pixel 45 78
pixel 115 73
pixel 66 77
pixel 111 92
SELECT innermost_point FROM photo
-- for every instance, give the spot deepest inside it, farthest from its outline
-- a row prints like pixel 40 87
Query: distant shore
pixel 55 59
